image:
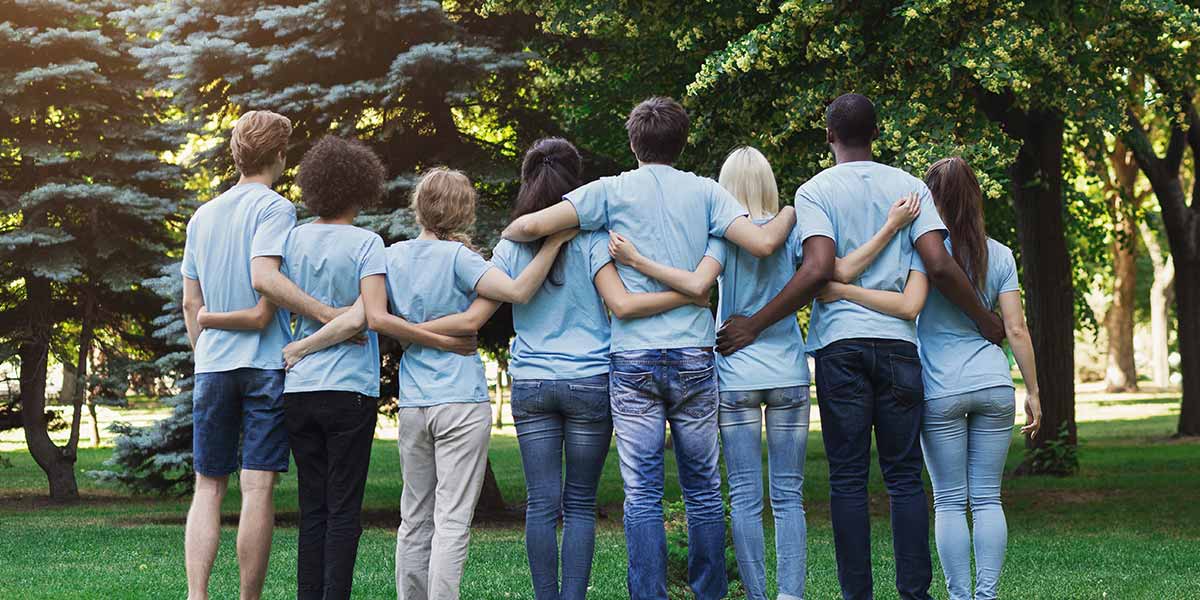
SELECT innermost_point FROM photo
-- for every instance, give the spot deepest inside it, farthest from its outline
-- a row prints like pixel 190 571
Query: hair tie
pixel 546 160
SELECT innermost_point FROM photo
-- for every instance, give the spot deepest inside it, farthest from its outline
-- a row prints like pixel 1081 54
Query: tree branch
pixel 1001 108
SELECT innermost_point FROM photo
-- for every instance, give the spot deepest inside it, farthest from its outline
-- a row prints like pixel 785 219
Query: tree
pixel 80 141
pixel 1124 203
pixel 1162 296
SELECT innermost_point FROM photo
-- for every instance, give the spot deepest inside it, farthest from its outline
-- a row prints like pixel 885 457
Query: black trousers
pixel 330 434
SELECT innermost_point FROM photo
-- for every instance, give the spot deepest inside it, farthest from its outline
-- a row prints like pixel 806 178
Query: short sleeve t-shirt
pixel 849 203
pixel 327 261
pixel 247 221
pixel 670 215
pixel 776 358
pixel 564 331
pixel 955 358
pixel 427 280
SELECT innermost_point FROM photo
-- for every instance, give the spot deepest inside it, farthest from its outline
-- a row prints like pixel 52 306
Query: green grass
pixel 1128 526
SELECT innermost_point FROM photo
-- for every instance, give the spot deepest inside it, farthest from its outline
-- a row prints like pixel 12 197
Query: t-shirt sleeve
pixel 812 216
pixel 188 268
pixel 469 267
pixel 598 255
pixel 271 231
pixel 372 261
pixel 928 220
pixel 723 208
pixel 1007 271
pixel 591 204
pixel 502 257
pixel 795 247
pixel 716 248
pixel 916 264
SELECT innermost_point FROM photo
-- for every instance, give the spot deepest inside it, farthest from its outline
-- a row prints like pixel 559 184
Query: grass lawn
pixel 1128 526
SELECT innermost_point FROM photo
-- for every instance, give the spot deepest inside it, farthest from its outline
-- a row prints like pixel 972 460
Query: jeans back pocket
pixel 907 385
pixel 632 393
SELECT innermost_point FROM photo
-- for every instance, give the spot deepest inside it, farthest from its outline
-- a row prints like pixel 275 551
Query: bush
pixel 675 519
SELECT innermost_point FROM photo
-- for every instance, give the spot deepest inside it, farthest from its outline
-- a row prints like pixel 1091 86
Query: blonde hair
pixel 747 175
pixel 444 203
pixel 258 138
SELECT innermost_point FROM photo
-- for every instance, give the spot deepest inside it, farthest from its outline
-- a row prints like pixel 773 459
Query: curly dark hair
pixel 338 175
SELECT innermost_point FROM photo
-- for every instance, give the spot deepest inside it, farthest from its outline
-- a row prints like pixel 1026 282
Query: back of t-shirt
pixel 669 214
pixel 247 221
pixel 428 279
pixel 849 203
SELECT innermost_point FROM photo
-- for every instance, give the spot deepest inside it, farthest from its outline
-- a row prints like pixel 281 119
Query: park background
pixel 1080 118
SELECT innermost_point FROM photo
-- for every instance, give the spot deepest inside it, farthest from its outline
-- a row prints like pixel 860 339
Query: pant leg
pixel 307 441
pixel 846 396
pixel 990 426
pixel 414 539
pixel 587 435
pixel 899 395
pixel 740 422
pixel 350 429
pixel 639 422
pixel 461 434
pixel 692 412
pixel 540 436
pixel 787 417
pixel 944 439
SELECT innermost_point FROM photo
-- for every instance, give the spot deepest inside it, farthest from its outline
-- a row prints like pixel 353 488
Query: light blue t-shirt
pixel 427 280
pixel 247 221
pixel 776 358
pixel 670 215
pixel 327 261
pixel 563 332
pixel 849 203
pixel 955 357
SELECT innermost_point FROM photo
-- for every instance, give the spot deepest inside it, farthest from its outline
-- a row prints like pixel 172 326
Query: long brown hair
pixel 444 202
pixel 959 201
pixel 551 168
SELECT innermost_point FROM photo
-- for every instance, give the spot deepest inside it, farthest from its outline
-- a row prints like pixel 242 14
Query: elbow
pixel 192 305
pixel 373 320
pixel 259 283
pixel 822 275
pixel 264 319
pixel 761 249
pixel 1017 333
pixel 620 309
pixel 842 276
pixel 910 313
pixel 698 289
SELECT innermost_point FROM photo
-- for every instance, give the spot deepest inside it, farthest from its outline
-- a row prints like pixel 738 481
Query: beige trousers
pixel 443 456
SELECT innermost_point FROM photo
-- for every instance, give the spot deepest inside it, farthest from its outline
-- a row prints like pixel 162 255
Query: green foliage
pixel 1057 456
pixel 675 521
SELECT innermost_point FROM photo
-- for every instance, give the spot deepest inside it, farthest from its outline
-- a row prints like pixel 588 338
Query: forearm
pixel 247 319
pixel 500 287
pixel 1022 348
pixel 192 323
pixel 896 304
pixel 956 287
pixel 764 240
pixel 690 283
pixel 282 292
pixel 540 224
pixel 344 327
pixel 636 306
pixel 848 268
pixel 464 323
pixel 799 292
pixel 408 333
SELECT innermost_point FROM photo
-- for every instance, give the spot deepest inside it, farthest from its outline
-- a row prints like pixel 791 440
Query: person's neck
pixel 642 163
pixel 264 178
pixel 425 235
pixel 845 154
pixel 346 219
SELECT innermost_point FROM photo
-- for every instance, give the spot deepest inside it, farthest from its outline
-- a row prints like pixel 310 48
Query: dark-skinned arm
pixel 952 282
pixel 816 271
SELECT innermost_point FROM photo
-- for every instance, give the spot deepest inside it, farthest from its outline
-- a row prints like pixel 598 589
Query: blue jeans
pixel 741 420
pixel 554 418
pixel 242 403
pixel 966 440
pixel 865 385
pixel 651 388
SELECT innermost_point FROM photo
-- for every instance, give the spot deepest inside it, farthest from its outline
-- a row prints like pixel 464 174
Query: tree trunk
pixel 1162 295
pixel 1049 291
pixel 1121 371
pixel 490 498
pixel 1187 311
pixel 34 352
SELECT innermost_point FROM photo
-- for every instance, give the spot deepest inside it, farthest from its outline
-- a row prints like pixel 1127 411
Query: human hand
pixel 992 329
pixel 622 250
pixel 903 211
pixel 293 353
pixel 832 292
pixel 563 236
pixel 735 334
pixel 465 345
pixel 702 300
pixel 1033 415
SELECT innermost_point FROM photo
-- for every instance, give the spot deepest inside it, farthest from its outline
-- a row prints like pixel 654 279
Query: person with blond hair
pixel 769 379
pixel 238 342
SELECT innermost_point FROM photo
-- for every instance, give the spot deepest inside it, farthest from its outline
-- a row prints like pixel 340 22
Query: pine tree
pixel 86 204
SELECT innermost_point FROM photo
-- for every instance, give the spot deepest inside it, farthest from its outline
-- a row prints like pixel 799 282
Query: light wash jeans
pixel 741 422
pixel 966 438
pixel 559 419
pixel 649 389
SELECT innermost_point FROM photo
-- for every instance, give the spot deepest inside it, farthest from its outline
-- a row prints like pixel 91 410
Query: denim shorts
pixel 242 404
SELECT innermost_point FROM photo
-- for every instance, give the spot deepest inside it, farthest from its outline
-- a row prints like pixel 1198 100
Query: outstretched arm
pixel 374 295
pixel 627 305
pixel 846 270
pixel 949 279
pixel 342 328
pixel 542 223
pixel 466 323
pixel 247 319
pixel 1022 348
pixel 902 305
pixel 762 240
pixel 276 287
pixel 497 285
pixel 690 283
pixel 193 303
pixel 816 271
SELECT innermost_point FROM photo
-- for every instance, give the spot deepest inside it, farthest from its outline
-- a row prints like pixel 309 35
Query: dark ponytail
pixel 551 168
pixel 959 201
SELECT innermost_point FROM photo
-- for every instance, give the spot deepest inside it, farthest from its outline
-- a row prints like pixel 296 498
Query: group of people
pixel 610 285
